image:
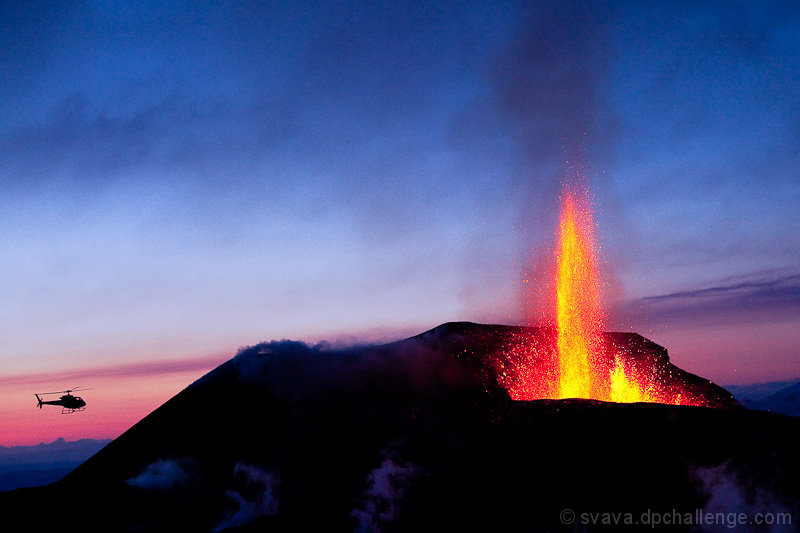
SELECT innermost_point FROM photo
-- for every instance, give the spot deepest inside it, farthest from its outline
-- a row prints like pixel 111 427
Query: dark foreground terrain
pixel 416 435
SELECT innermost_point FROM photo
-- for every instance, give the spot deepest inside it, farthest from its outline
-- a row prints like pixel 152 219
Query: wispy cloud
pixel 141 370
pixel 764 295
pixel 191 137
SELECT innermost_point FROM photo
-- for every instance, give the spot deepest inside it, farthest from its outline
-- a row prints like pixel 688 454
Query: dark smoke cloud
pixel 548 80
pixel 547 88
pixel 546 117
pixel 296 370
pixel 658 106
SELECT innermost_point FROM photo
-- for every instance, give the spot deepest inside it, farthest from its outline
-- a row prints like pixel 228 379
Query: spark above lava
pixel 579 362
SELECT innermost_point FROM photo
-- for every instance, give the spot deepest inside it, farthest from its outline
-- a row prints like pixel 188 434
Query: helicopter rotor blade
pixel 75 389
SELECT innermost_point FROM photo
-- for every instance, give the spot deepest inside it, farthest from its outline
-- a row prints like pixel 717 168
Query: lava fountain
pixel 581 362
pixel 578 300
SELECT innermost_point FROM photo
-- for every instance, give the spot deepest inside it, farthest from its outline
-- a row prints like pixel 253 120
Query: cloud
pixel 784 289
pixel 139 369
pixel 160 475
pixel 258 496
pixel 188 135
pixel 380 502
pixel 772 295
pixel 730 492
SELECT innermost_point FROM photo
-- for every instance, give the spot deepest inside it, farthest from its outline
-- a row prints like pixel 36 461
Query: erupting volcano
pixel 298 437
pixel 577 360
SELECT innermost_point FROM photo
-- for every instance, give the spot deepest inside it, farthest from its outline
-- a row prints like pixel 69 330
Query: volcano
pixel 421 434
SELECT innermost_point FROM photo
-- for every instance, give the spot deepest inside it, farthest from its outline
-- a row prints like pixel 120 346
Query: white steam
pixel 734 501
pixel 161 475
pixel 380 501
pixel 258 496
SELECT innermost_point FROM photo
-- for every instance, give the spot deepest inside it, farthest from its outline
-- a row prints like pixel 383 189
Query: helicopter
pixel 68 402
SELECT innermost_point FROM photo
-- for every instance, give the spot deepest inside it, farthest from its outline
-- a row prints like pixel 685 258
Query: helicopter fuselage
pixel 68 401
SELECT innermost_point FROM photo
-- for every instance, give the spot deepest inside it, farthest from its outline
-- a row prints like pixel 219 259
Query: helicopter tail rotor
pixel 39 400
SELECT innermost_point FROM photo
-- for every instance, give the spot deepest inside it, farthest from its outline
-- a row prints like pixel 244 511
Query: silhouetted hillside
pixel 416 435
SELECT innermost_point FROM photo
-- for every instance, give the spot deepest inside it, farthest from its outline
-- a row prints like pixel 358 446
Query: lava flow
pixel 580 362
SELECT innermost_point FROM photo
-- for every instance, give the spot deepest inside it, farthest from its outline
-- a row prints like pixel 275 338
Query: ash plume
pixel 547 87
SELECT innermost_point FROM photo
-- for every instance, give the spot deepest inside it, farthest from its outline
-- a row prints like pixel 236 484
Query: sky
pixel 181 179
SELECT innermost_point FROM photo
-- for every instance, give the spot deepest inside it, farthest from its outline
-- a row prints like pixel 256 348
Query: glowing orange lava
pixel 581 364
pixel 578 301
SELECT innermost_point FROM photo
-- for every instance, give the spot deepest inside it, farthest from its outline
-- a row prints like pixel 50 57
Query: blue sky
pixel 181 179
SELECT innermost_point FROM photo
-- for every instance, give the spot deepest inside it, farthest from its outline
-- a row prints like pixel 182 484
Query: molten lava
pixel 578 301
pixel 582 364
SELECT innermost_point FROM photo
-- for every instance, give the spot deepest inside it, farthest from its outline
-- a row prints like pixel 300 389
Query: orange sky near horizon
pixel 728 353
pixel 120 396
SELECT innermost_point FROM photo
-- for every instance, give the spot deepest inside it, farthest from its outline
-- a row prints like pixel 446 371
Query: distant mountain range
pixel 417 435
pixel 31 466
pixel 777 397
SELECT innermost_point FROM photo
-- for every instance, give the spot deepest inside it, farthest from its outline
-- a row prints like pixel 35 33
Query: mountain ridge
pixel 410 435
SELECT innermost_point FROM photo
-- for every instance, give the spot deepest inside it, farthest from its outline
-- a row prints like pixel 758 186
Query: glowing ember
pixel 581 364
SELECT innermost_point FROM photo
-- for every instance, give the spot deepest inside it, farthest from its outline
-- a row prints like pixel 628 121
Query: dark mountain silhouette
pixel 416 435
